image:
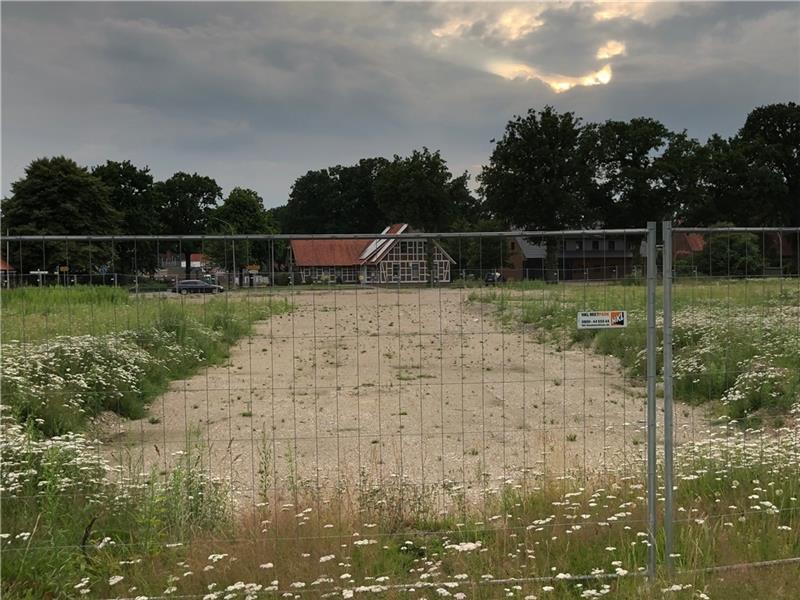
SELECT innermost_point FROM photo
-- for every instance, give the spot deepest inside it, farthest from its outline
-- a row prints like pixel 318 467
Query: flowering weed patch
pixel 63 518
pixel 737 501
pixel 57 384
pixel 736 343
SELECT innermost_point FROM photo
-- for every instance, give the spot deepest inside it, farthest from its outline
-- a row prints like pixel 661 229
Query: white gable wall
pixel 407 262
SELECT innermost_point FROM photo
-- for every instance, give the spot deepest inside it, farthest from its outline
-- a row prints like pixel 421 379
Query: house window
pixel 579 245
pixel 595 245
pixel 395 272
pixel 612 245
pixel 415 271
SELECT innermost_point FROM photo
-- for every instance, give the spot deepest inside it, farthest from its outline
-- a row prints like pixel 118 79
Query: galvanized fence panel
pixel 731 366
pixel 444 393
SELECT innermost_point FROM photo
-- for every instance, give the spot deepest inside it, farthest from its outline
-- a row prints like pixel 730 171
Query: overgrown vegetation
pixel 74 526
pixel 68 354
pixel 71 353
pixel 66 514
pixel 736 343
pixel 63 537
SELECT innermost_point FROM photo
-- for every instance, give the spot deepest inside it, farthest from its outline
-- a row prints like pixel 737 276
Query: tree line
pixel 549 170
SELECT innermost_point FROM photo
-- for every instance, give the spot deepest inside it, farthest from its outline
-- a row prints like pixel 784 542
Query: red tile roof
pixel 684 244
pixel 346 253
pixel 396 228
pixel 4 266
pixel 696 242
pixel 333 253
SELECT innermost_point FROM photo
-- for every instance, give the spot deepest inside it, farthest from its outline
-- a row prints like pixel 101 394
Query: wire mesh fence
pixel 351 413
pixel 733 315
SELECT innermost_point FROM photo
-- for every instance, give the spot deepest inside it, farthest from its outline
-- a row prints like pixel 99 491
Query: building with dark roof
pixel 587 256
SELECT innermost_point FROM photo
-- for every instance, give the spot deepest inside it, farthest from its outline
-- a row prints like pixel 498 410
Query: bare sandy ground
pixel 382 385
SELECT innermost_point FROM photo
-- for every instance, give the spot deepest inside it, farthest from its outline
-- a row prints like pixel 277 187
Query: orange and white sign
pixel 602 319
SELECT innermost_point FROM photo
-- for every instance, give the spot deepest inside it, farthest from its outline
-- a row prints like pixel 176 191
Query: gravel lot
pixel 382 384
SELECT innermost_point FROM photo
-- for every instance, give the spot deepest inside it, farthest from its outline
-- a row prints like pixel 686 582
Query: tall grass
pixel 71 354
pixel 737 502
pixel 32 314
pixel 736 342
pixel 63 518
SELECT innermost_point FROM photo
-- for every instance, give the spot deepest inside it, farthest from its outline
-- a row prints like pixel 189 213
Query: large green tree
pixel 625 159
pixel 753 178
pixel 132 194
pixel 339 199
pixel 242 212
pixel 420 190
pixel 278 215
pixel 311 204
pixel 186 202
pixel 356 208
pixel 679 175
pixel 365 197
pixel 771 143
pixel 538 176
pixel 730 189
pixel 56 196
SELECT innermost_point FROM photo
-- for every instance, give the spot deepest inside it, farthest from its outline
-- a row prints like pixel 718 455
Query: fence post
pixel 669 440
pixel 651 398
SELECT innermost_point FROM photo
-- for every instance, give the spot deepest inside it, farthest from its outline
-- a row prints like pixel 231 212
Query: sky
pixel 256 94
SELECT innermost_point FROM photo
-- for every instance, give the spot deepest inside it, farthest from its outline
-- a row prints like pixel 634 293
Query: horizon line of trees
pixel 549 170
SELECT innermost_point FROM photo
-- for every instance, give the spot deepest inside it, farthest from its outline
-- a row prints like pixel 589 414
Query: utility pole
pixel 8 260
pixel 233 247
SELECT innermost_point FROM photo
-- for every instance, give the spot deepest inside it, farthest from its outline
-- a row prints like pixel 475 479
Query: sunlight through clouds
pixel 644 12
pixel 509 25
pixel 518 22
pixel 558 83
pixel 610 49
pixel 607 11
pixel 453 28
pixel 285 85
pixel 481 36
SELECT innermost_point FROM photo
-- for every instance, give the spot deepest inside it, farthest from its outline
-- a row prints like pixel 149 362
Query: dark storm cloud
pixel 256 94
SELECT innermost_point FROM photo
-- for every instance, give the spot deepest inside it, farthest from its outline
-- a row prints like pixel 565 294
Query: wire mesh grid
pixel 735 326
pixel 399 419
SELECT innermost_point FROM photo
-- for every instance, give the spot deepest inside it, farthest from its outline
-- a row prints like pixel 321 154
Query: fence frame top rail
pixel 734 229
pixel 329 236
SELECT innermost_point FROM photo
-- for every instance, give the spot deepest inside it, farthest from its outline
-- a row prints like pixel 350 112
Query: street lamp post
pixel 233 246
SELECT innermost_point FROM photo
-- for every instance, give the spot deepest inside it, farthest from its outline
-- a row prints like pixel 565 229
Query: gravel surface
pixel 378 385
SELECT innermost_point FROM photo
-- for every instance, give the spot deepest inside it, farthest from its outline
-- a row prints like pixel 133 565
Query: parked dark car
pixel 195 286
pixel 493 278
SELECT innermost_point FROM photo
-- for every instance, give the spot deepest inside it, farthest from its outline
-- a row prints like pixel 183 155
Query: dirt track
pixel 418 383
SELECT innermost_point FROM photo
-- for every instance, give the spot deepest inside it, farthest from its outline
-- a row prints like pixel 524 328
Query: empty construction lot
pixel 381 385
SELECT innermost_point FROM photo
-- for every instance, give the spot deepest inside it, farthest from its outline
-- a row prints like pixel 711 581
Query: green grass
pixel 71 354
pixel 736 342
pixel 75 522
pixel 31 314
pixel 737 502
